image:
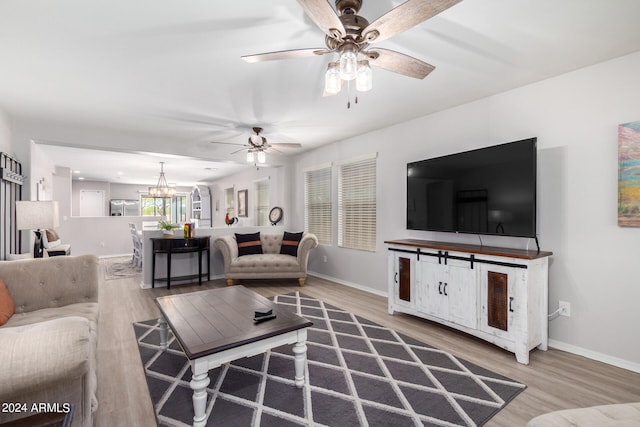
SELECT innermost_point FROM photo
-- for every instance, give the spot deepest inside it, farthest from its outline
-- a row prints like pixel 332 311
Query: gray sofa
pixel 48 347
pixel 268 265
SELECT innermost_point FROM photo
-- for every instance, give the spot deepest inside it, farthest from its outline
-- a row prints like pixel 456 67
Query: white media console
pixel 497 294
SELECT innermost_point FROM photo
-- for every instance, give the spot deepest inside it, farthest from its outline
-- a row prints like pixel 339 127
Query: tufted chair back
pixel 271 243
pixel 39 283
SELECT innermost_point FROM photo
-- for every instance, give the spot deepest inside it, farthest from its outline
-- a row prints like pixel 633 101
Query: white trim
pixel 594 355
pixel 316 167
pixel 349 284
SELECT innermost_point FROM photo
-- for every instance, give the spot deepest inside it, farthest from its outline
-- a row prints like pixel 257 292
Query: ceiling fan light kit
pixel 349 35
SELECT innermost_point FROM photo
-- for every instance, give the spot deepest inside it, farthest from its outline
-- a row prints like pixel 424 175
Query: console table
pixel 497 294
pixel 176 245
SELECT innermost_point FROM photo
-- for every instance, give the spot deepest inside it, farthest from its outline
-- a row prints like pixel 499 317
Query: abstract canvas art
pixel 629 174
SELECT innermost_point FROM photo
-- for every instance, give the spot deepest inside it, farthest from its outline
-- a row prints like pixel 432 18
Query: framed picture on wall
pixel 628 176
pixel 242 203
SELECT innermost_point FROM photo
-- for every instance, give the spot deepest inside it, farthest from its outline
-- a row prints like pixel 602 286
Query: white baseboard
pixel 350 284
pixel 594 355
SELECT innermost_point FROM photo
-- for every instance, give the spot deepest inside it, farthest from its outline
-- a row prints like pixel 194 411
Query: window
pixel 262 202
pixel 229 202
pixel 317 202
pixel 357 204
pixel 172 208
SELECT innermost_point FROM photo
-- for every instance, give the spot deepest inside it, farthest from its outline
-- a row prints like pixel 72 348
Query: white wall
pixel 278 195
pixel 5 133
pixel 575 118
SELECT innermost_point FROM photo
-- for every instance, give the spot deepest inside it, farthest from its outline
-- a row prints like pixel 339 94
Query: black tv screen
pixel 490 190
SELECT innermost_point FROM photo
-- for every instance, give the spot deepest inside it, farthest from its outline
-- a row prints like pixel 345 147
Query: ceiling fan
pixel 350 35
pixel 257 146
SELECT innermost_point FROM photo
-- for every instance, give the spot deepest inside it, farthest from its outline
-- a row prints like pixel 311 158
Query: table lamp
pixel 37 216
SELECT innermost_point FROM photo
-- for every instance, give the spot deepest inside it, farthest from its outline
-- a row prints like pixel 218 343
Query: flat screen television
pixel 490 190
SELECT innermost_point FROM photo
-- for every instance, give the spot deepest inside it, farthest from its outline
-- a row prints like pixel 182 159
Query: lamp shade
pixel 34 215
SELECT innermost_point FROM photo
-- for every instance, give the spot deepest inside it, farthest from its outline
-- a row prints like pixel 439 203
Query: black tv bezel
pixel 533 141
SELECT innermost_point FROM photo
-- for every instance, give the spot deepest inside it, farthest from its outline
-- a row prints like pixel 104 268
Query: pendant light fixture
pixel 162 189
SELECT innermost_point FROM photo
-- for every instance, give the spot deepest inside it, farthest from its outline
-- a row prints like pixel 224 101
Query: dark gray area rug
pixel 358 374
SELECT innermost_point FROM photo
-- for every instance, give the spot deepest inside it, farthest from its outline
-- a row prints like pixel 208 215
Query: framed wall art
pixel 629 174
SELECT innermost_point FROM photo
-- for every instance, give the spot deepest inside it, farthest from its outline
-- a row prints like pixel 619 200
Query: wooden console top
pixel 476 249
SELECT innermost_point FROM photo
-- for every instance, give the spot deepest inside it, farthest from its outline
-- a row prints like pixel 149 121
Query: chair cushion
pixel 249 244
pixel 290 243
pixel 7 306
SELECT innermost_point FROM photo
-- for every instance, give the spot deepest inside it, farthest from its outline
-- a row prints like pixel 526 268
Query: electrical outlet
pixel 324 258
pixel 565 308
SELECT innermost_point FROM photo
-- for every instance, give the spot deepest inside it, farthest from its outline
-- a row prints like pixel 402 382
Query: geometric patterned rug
pixel 358 373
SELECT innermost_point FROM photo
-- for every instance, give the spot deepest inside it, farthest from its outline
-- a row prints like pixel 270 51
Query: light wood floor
pixel 555 379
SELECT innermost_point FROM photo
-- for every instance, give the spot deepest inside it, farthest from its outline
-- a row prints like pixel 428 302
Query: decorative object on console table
pixel 37 216
pixel 167 228
pixel 497 294
pixel 242 203
pixel 628 178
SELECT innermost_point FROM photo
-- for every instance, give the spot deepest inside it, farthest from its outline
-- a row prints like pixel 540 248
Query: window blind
pixel 357 204
pixel 262 202
pixel 317 203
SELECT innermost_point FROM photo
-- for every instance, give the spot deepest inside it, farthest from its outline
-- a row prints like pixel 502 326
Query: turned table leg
pixel 199 383
pixel 162 323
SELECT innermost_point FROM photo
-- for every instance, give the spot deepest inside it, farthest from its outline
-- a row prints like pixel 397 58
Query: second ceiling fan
pixel 257 146
pixel 350 35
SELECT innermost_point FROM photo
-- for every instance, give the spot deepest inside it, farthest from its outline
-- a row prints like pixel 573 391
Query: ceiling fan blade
pixel 325 17
pixel 237 151
pixel 403 17
pixel 399 63
pixel 285 145
pixel 226 143
pixel 285 54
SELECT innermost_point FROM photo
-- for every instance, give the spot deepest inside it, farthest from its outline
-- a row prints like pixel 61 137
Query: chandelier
pixel 162 189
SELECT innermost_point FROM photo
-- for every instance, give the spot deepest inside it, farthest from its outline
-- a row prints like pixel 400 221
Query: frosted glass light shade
pixel 262 157
pixel 250 156
pixel 364 77
pixel 348 63
pixel 332 81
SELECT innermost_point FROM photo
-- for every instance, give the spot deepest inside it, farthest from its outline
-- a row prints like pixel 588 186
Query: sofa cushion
pixel 264 264
pixel 290 243
pixel 41 355
pixel 248 244
pixel 7 306
pixel 88 310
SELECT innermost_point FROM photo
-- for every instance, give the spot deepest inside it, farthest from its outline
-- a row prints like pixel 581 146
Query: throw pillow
pixel 52 236
pixel 249 244
pixel 7 306
pixel 290 242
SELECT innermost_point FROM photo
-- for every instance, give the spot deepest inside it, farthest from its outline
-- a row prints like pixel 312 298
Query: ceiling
pixel 171 69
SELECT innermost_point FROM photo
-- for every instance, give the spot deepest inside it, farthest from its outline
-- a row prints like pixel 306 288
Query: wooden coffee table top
pixel 215 320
